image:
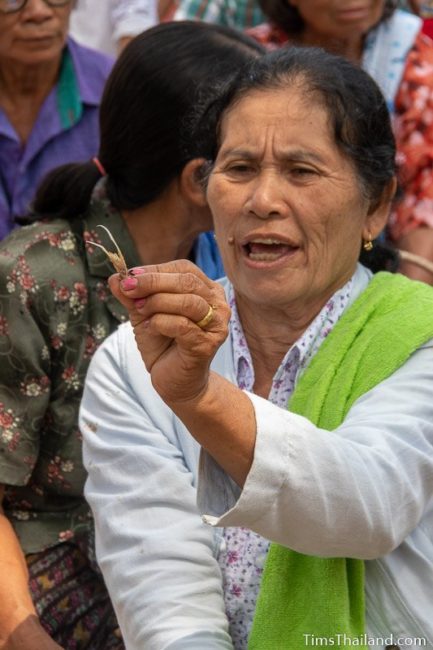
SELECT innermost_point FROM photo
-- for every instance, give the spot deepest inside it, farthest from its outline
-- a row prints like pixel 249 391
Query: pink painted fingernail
pixel 137 270
pixel 129 283
pixel 140 302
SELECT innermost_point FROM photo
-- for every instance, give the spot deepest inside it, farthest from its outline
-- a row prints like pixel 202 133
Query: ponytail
pixel 64 193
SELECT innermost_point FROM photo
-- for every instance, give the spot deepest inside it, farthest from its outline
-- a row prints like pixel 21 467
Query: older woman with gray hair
pixel 50 91
pixel 304 379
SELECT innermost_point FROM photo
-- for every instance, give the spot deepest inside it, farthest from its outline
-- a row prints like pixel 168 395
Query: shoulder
pixel 37 236
pixel 395 316
pixel 402 20
pixel 422 51
pixel 401 27
pixel 392 295
pixel 41 254
pixel 92 64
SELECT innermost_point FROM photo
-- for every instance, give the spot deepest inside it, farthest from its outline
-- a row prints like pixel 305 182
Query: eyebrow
pixel 300 155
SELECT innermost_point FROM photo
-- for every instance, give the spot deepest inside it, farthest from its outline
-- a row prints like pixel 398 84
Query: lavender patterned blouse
pixel 243 552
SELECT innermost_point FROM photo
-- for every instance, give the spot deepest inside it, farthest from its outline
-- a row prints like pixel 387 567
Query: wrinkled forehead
pixel 280 104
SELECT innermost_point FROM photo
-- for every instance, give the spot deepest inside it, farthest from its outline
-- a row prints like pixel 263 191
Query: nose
pixel 266 198
pixel 36 11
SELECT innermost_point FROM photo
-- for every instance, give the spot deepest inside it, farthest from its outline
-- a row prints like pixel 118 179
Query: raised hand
pixel 180 318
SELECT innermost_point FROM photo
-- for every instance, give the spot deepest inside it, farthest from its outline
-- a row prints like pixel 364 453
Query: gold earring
pixel 368 244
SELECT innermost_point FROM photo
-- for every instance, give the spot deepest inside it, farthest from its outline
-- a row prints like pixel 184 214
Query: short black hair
pixel 357 110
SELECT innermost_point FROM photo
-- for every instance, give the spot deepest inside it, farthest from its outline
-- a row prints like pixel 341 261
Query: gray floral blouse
pixel 55 310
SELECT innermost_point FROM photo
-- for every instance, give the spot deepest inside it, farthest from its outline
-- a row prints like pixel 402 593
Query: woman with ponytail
pixel 145 187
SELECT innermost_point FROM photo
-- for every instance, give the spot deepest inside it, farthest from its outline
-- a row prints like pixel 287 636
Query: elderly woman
pixel 311 401
pixel 56 309
pixel 390 45
pixel 50 91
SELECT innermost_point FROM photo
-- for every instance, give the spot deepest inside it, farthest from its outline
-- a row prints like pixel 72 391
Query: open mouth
pixel 267 250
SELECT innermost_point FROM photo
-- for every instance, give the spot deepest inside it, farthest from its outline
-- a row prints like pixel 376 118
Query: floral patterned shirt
pixel 244 552
pixel 55 310
pixel 413 127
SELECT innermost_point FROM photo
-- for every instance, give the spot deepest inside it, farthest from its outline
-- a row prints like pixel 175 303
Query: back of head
pixel 151 93
pixel 288 18
pixel 147 99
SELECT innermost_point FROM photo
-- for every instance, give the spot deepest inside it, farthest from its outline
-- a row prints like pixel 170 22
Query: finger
pixel 156 332
pixel 149 284
pixel 150 343
pixel 189 305
pixel 195 341
pixel 174 267
pixel 121 295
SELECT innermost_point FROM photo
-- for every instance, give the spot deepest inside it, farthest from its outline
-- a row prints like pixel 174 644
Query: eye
pixel 302 171
pixel 239 171
pixel 240 168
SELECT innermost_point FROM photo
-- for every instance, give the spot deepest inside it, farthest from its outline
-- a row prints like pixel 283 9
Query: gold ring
pixel 206 319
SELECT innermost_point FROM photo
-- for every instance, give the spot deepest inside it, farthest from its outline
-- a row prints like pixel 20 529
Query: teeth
pixel 264 257
pixel 266 241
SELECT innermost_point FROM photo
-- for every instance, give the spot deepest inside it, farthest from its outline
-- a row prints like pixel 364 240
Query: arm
pixel 156 554
pixel 19 625
pixel 178 354
pixel 377 467
pixel 357 491
pixel 420 242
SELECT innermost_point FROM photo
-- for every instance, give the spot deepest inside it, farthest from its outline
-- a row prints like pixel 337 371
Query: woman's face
pixel 288 211
pixel 35 35
pixel 337 19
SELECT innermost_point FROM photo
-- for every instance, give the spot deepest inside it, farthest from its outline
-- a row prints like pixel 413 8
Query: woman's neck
pixel 18 79
pixel 165 229
pixel 270 333
pixel 23 89
pixel 351 49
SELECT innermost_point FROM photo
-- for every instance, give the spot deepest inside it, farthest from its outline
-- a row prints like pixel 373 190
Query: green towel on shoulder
pixel 324 597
